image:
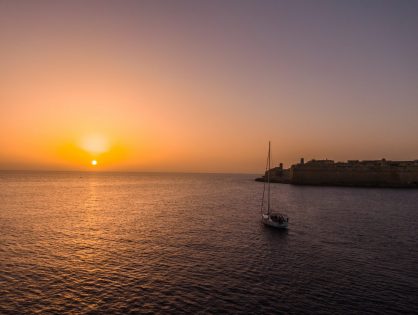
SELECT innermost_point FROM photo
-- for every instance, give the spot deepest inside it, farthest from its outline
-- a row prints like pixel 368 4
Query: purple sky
pixel 203 85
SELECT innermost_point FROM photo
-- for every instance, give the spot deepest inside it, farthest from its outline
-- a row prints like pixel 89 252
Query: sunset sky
pixel 204 85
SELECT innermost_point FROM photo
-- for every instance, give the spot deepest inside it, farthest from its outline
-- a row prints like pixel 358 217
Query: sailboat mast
pixel 268 182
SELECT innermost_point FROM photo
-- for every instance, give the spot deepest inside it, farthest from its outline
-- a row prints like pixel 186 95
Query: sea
pixel 138 243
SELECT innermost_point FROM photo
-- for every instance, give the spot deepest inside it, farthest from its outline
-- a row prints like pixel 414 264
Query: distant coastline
pixel 353 173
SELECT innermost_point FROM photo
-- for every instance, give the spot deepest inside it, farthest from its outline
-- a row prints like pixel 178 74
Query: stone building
pixel 374 173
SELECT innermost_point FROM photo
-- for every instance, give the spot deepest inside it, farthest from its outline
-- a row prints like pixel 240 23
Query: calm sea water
pixel 158 243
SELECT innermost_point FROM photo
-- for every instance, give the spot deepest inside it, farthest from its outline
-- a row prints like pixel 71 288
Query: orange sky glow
pixel 181 86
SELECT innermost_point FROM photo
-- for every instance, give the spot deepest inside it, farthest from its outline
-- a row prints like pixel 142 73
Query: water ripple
pixel 152 243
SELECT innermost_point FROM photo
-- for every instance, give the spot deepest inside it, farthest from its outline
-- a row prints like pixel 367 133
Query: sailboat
pixel 273 219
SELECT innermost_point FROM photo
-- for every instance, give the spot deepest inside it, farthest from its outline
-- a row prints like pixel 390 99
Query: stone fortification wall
pixel 376 174
pixel 409 176
pixel 279 175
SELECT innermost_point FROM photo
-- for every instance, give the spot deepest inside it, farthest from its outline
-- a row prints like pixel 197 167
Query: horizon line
pixel 120 171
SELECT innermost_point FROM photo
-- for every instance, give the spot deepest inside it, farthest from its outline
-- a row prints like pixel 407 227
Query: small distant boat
pixel 270 218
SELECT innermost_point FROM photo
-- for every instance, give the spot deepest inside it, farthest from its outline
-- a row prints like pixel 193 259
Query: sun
pixel 94 162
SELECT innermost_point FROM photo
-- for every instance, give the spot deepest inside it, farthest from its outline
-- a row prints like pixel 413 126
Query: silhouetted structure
pixel 375 173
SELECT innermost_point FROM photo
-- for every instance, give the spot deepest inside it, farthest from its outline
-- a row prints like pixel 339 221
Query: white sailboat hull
pixel 268 220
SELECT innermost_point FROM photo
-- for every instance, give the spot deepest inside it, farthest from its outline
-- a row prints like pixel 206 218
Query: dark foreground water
pixel 137 243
